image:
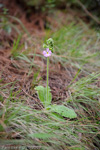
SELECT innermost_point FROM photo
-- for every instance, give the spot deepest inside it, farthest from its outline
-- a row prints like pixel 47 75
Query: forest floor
pixel 13 69
pixel 74 79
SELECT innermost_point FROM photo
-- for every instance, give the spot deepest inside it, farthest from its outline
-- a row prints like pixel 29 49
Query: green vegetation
pixel 77 45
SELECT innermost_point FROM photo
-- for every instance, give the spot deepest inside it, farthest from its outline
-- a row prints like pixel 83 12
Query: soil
pixel 14 70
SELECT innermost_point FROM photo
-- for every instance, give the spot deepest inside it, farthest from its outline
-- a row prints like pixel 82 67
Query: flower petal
pixel 50 53
pixel 44 52
pixel 47 53
pixel 47 49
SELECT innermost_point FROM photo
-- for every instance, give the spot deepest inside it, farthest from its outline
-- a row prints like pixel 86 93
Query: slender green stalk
pixel 47 79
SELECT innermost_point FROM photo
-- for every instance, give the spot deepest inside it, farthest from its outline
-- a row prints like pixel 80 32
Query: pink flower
pixel 47 53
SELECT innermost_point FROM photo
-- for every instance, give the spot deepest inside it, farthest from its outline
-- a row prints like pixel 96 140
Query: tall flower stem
pixel 47 80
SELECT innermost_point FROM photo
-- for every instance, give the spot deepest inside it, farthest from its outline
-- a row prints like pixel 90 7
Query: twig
pixel 88 13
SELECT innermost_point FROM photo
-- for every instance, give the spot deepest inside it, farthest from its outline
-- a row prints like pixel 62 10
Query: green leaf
pixel 41 91
pixel 45 46
pixel 1 98
pixel 64 111
pixel 57 116
pixel 77 148
pixel 42 135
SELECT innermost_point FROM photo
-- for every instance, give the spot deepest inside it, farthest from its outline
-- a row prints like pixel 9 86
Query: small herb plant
pixel 44 93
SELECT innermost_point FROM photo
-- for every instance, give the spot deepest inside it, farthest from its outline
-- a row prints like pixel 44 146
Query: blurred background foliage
pixel 91 8
pixel 92 5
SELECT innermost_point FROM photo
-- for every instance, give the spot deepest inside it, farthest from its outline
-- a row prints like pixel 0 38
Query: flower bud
pixel 45 46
